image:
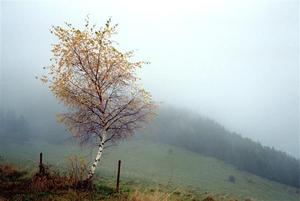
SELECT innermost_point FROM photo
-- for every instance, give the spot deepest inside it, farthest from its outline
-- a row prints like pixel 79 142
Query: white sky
pixel 234 61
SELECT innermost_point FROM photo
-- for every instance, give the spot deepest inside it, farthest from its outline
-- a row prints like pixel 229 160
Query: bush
pixel 77 169
pixel 231 179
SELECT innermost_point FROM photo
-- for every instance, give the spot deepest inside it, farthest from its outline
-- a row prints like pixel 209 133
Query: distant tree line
pixel 13 128
pixel 19 128
pixel 205 136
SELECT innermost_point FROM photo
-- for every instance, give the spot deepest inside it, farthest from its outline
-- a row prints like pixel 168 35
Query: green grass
pixel 149 165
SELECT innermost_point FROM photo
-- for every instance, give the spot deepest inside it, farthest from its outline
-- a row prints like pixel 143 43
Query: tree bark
pixel 98 157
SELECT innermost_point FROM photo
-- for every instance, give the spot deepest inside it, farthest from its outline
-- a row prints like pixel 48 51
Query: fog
pixel 233 61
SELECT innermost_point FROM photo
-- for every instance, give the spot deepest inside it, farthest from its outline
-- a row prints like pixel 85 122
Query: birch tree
pixel 98 85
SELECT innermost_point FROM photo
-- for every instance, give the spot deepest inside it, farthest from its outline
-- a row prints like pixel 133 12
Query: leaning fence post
pixel 118 176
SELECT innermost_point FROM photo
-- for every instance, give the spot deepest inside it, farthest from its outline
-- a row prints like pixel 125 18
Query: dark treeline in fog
pixel 16 128
pixel 180 128
pixel 13 127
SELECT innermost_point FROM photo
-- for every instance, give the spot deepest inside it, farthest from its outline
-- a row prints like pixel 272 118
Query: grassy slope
pixel 152 163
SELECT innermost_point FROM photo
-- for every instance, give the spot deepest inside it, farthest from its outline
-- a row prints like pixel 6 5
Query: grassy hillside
pixel 151 164
pixel 207 137
pixel 181 128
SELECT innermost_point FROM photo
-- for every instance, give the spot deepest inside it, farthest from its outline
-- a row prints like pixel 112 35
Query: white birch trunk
pixel 98 157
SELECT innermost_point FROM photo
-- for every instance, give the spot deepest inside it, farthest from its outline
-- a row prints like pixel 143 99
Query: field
pixel 149 165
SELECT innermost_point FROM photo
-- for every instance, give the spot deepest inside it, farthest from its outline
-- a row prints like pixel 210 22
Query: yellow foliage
pixel 97 82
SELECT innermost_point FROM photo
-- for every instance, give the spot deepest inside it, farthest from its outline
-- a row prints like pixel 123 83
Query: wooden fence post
pixel 41 166
pixel 118 176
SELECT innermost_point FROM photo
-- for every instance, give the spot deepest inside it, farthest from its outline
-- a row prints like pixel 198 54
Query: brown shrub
pixel 77 169
pixel 10 173
pixel 209 198
pixel 52 180
pixel 155 196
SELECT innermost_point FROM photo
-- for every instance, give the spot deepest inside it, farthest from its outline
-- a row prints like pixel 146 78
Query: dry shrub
pixel 140 196
pixel 74 195
pixel 12 179
pixel 10 173
pixel 77 169
pixel 50 180
pixel 209 198
pixel 155 196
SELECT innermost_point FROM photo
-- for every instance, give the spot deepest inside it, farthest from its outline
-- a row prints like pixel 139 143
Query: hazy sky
pixel 234 61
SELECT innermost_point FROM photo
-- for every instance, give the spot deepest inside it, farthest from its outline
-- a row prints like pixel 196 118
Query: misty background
pixel 236 62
